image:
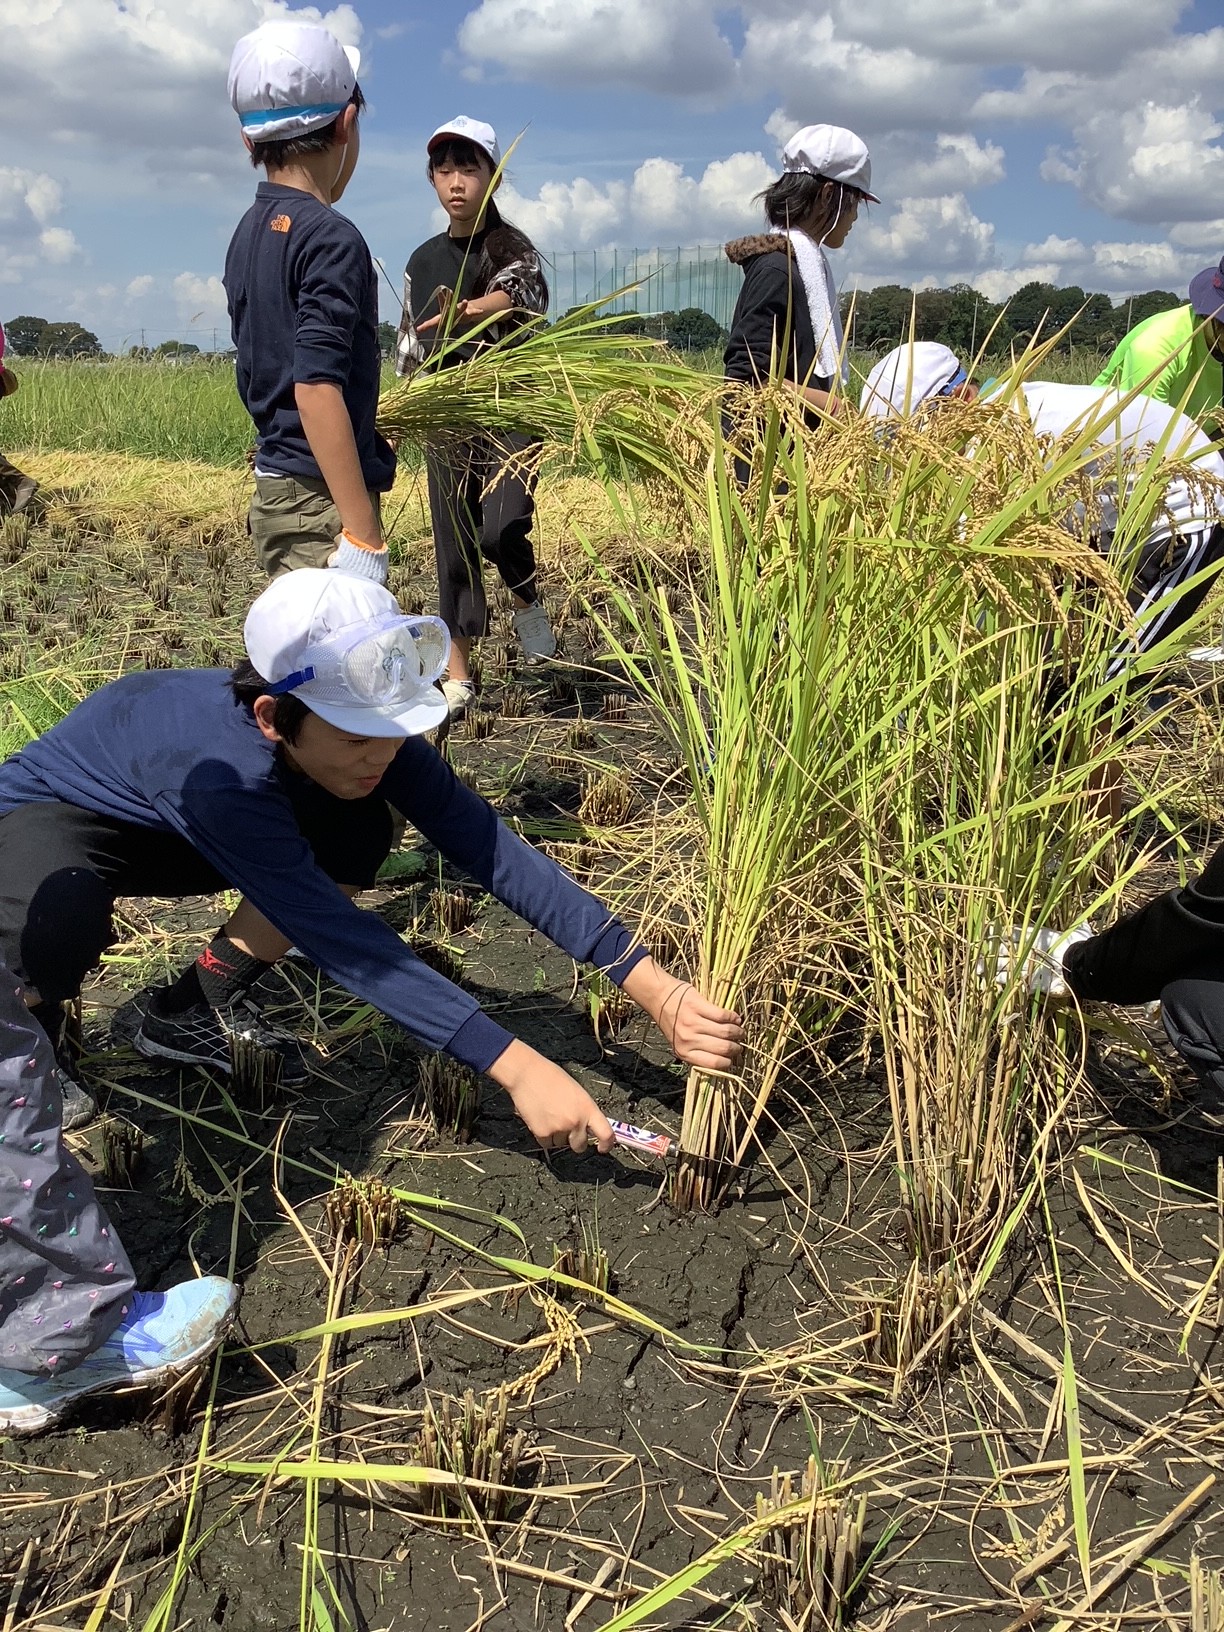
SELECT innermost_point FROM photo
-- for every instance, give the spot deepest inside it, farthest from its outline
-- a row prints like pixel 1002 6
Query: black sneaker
pixel 80 1107
pixel 202 1035
pixel 24 491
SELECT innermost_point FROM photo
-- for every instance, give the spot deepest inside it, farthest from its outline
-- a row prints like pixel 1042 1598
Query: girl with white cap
pixel 787 322
pixel 482 491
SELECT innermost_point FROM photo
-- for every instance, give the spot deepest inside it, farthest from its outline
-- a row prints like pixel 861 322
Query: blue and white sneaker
pixel 163 1335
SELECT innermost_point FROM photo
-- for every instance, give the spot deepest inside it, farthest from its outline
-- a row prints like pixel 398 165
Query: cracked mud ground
pixel 651 1447
pixel 666 1445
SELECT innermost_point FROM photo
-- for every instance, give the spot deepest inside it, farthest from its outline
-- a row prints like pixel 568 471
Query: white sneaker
pixel 535 634
pixel 460 695
pixel 162 1335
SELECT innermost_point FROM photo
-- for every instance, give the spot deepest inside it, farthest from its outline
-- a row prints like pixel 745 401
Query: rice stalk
pixel 122 1152
pixel 888 679
pixel 983 813
pixel 1206 1597
pixel 452 1096
pixel 588 1263
pixel 807 1560
pixel 576 384
pixel 472 1439
pixel 365 1211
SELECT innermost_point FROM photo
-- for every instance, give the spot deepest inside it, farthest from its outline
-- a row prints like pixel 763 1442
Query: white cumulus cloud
pixel 660 203
pixel 1043 33
pixel 672 46
pixel 1154 162
pixel 824 73
pixel 941 236
pixel 148 75
pixel 29 202
pixel 58 245
pixel 200 299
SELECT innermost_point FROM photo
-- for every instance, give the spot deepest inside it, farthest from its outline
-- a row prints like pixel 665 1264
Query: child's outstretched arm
pixel 700 1033
pixel 329 430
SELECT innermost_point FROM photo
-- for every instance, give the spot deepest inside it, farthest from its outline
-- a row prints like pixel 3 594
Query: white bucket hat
pixel 287 79
pixel 468 130
pixel 908 375
pixel 343 646
pixel 833 152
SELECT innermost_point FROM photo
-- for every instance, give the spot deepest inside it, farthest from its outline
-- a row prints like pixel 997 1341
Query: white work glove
pixel 1036 958
pixel 361 562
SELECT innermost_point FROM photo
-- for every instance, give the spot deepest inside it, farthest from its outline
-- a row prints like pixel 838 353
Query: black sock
pixel 50 1017
pixel 220 974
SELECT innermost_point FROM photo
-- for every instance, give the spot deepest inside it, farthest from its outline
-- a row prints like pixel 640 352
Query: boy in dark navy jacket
pixel 303 302
pixel 275 780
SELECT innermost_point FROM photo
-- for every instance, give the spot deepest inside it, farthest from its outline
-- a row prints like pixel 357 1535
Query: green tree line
pixel 963 318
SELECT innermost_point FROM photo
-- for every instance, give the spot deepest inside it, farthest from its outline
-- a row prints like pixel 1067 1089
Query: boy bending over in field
pixel 1187 532
pixel 303 303
pixel 275 780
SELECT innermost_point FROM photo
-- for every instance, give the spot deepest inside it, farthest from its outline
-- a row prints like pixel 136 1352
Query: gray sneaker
pixel 80 1107
pixel 202 1035
pixel 23 493
pixel 535 634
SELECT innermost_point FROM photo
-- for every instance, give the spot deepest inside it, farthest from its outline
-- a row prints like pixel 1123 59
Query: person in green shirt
pixel 1178 356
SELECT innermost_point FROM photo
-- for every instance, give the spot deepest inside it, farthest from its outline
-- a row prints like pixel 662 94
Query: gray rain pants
pixel 65 1280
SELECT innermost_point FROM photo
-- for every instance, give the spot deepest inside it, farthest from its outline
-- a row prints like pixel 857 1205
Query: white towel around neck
pixel 817 277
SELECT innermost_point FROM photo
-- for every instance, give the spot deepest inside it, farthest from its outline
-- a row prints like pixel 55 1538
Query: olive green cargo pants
pixel 293 522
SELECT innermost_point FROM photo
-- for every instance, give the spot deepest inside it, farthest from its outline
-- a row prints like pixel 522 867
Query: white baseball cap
pixel 288 78
pixel 908 375
pixel 469 130
pixel 343 646
pixel 832 152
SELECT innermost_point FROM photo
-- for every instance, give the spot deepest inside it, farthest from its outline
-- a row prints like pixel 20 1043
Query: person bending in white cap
pixel 275 780
pixel 787 322
pixel 481 491
pixel 303 304
pixel 1187 532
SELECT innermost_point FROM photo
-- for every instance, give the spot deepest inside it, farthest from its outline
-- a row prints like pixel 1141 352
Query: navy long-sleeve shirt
pixel 173 751
pixel 1175 936
pixel 303 305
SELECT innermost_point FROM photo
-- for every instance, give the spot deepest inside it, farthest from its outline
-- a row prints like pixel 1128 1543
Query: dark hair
pixel 458 150
pixel 275 155
pixel 503 246
pixel 798 198
pixel 248 685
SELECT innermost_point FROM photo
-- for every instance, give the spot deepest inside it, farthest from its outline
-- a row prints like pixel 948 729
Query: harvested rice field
pixel 798 1384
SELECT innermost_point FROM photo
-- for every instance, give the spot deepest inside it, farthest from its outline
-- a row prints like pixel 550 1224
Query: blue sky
pixel 1011 139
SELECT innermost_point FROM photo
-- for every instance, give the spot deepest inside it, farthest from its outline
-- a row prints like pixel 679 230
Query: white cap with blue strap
pixel 287 79
pixel 342 645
